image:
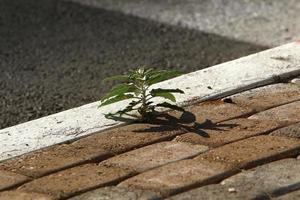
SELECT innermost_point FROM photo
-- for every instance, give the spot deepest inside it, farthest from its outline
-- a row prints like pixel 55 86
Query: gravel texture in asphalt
pixel 263 22
pixel 55 54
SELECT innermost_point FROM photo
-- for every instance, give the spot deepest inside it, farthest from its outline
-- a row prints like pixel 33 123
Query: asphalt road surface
pixel 55 54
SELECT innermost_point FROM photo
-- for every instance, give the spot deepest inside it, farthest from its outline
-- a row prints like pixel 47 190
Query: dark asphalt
pixel 54 54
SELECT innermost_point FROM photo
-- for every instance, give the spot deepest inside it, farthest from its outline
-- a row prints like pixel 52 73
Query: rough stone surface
pixel 119 140
pixel 214 135
pixel 72 181
pixel 211 111
pixel 292 131
pixel 113 193
pixel 178 176
pixel 261 182
pixel 155 155
pixel 289 113
pixel 52 159
pixel 290 196
pixel 266 97
pixel 254 151
pixel 92 148
pixel 10 179
pixel 19 195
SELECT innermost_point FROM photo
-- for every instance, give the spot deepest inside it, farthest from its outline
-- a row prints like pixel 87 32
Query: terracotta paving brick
pixel 53 159
pixel 263 98
pixel 179 176
pixel 93 148
pixel 229 131
pixel 290 196
pixel 110 193
pixel 9 179
pixel 214 111
pixel 289 113
pixel 263 182
pixel 74 180
pixel 119 140
pixel 254 151
pixel 292 131
pixel 19 195
pixel 154 155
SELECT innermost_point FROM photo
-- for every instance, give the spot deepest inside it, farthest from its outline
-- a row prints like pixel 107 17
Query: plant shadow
pixel 187 121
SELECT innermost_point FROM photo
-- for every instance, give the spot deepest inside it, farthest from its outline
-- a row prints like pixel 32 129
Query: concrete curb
pixel 215 82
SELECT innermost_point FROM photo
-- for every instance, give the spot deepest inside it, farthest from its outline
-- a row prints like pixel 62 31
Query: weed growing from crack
pixel 136 86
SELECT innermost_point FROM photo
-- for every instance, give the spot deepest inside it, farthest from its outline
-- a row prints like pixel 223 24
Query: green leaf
pixel 171 106
pixel 116 99
pixel 166 95
pixel 162 76
pixel 120 89
pixel 117 78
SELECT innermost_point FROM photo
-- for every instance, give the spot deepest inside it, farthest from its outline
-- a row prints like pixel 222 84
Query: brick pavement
pixel 227 144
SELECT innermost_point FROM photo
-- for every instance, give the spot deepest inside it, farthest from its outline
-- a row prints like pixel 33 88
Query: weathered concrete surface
pixel 263 22
pixel 261 182
pixel 292 131
pixel 111 193
pixel 224 79
pixel 266 97
pixel 19 195
pixel 155 155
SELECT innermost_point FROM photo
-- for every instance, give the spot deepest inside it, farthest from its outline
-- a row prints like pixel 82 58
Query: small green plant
pixel 136 86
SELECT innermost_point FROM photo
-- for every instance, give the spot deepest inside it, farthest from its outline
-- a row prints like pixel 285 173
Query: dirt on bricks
pixel 263 182
pixel 129 137
pixel 182 175
pixel 155 155
pixel 94 148
pixel 20 195
pixel 292 131
pixel 263 98
pixel 254 151
pixel 210 152
pixel 9 179
pixel 288 113
pixel 75 180
pixel 117 193
pixel 212 112
pixel 214 135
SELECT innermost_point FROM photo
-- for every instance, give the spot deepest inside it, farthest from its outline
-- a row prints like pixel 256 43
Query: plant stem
pixel 144 103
